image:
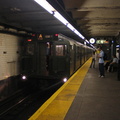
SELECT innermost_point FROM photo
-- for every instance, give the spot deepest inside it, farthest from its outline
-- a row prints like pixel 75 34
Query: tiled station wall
pixel 9 55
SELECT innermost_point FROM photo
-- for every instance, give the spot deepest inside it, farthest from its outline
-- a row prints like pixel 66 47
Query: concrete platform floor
pixel 97 98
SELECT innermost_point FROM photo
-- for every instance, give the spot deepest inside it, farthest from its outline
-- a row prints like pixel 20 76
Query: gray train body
pixel 54 56
pixel 38 62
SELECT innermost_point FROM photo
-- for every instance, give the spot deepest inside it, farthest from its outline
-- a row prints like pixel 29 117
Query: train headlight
pixel 24 77
pixel 64 80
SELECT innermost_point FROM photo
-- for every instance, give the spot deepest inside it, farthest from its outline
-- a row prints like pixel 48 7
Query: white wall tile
pixel 9 58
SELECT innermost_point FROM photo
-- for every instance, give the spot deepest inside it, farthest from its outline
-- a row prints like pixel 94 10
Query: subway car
pixel 52 58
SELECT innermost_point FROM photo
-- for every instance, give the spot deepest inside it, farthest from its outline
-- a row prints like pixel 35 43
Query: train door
pixel 75 57
pixel 80 55
pixel 27 58
pixel 85 54
pixel 43 52
pixel 59 64
pixel 71 59
pixel 48 54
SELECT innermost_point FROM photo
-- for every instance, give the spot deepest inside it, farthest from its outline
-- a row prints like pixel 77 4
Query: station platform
pixel 84 97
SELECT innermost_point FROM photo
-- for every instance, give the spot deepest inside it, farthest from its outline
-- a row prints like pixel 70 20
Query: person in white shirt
pixel 114 63
pixel 117 54
pixel 101 62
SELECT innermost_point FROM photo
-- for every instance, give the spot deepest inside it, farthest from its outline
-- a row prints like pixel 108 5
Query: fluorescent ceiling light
pixel 55 13
pixel 92 46
pixel 76 32
pixel 81 36
pixel 60 17
pixel 45 5
pixel 70 27
pixel 87 41
pixel 84 42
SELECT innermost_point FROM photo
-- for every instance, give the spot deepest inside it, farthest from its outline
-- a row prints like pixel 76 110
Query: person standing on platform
pixel 118 71
pixel 117 54
pixel 93 59
pixel 113 64
pixel 101 62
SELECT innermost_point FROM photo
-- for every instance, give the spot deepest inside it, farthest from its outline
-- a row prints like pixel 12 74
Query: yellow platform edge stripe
pixel 49 101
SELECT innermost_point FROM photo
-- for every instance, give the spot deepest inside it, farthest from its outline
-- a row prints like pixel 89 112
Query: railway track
pixel 22 105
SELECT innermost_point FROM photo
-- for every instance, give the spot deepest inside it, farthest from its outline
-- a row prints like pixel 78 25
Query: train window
pixel 72 47
pixel 66 50
pixel 30 49
pixel 78 52
pixel 59 50
pixel 48 49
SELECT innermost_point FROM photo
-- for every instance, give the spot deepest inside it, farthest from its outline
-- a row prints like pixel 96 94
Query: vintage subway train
pixel 43 59
pixel 52 57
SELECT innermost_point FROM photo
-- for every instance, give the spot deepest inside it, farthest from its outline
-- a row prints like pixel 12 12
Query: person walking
pixel 101 62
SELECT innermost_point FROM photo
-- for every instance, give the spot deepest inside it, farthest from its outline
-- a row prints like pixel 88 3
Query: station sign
pixel 102 42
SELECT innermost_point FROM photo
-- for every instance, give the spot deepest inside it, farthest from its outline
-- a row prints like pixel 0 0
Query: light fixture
pixel 92 40
pixel 87 41
pixel 56 14
pixel 60 18
pixel 45 5
pixel 75 31
pixel 24 77
pixel 117 46
pixel 64 80
pixel 70 27
pixel 92 46
pixel 81 36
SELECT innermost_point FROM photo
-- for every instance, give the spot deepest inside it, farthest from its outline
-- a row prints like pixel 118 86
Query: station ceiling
pixel 93 18
pixel 96 17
